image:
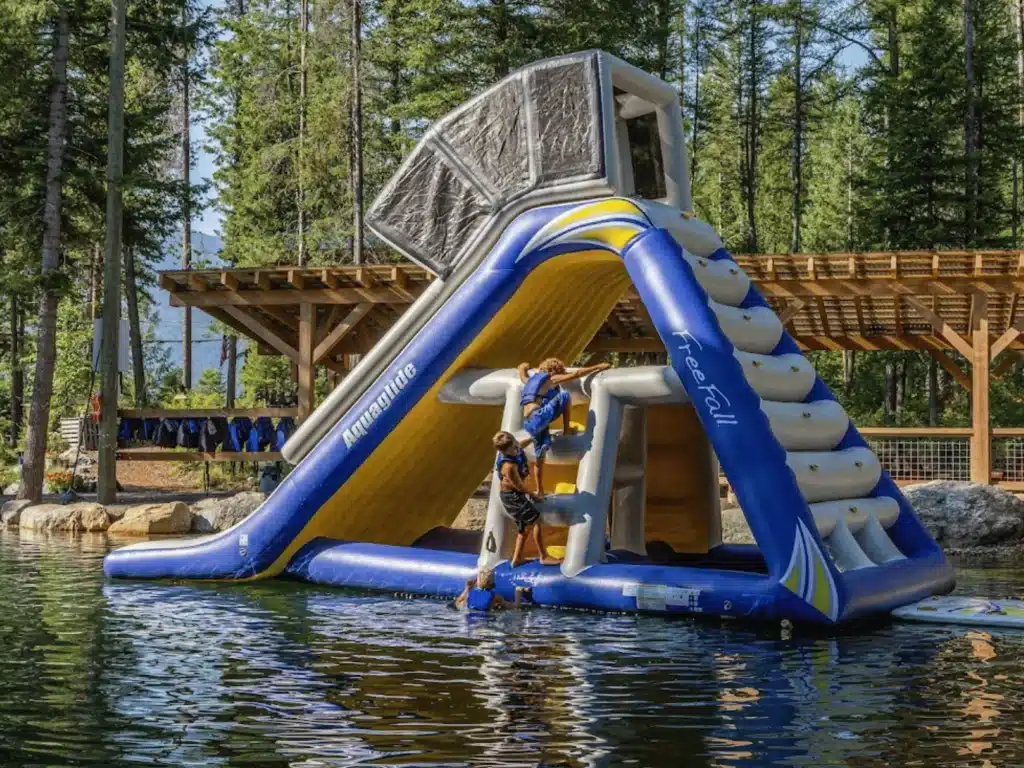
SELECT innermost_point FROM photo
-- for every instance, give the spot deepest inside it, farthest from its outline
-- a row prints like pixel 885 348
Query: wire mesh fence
pixel 1008 458
pixel 925 458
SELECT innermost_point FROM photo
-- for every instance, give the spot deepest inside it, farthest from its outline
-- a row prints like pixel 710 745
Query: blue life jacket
pixel 519 460
pixel 150 428
pixel 262 435
pixel 188 433
pixel 479 599
pixel 285 427
pixel 238 434
pixel 531 390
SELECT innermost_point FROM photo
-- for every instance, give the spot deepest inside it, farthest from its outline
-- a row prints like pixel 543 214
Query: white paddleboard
pixel 974 611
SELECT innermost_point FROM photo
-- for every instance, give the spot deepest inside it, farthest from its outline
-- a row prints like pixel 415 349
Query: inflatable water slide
pixel 538 205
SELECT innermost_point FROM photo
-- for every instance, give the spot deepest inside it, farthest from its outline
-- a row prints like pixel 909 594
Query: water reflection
pixel 279 674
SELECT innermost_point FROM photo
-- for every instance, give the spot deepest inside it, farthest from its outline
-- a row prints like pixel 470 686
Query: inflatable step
pixel 817 426
pixel 834 475
pixel 786 378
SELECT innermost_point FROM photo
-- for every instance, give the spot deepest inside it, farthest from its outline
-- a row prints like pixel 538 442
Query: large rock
pixel 735 529
pixel 85 517
pixel 10 512
pixel 473 516
pixel 967 514
pixel 149 519
pixel 211 515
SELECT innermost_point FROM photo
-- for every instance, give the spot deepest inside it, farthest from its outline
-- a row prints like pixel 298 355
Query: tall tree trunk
pixel 186 179
pixel 889 400
pixel 106 486
pixel 893 42
pixel 901 386
pixel 502 64
pixel 695 131
pixel 17 370
pixel 303 76
pixel 1019 19
pixel 970 130
pixel 663 17
pixel 933 392
pixel 849 369
pixel 796 169
pixel 752 127
pixel 46 339
pixel 357 135
pixel 134 328
pixel 232 376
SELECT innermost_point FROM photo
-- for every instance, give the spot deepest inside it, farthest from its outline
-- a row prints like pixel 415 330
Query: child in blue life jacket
pixel 512 470
pixel 543 400
pixel 480 595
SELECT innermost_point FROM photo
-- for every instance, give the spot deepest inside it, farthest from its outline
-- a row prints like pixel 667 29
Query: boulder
pixel 10 512
pixel 211 515
pixel 85 517
pixel 13 489
pixel 735 529
pixel 473 516
pixel 960 515
pixel 148 519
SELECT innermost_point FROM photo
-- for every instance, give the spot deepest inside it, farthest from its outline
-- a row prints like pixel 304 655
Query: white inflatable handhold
pixel 696 236
pixel 832 475
pixel 846 552
pixel 817 426
pixel 786 378
pixel 874 539
pixel 751 330
pixel 723 280
pixel 855 512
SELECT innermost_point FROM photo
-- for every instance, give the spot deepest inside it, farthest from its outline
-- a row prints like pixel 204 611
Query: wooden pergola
pixel 934 301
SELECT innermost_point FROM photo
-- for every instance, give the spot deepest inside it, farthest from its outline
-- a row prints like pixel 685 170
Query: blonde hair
pixel 504 440
pixel 485 579
pixel 552 365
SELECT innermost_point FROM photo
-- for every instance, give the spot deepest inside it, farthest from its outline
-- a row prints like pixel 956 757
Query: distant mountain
pixel 205 345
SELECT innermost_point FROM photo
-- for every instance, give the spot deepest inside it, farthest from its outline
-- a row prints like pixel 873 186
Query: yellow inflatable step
pixel 565 487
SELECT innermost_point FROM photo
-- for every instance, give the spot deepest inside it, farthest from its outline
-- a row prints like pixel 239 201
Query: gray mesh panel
pixel 567 119
pixel 490 139
pixel 432 212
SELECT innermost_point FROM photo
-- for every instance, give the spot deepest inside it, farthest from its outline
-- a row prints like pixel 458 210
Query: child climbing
pixel 543 400
pixel 512 469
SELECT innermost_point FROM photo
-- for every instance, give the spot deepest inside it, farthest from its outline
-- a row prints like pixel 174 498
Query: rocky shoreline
pixel 171 517
pixel 968 520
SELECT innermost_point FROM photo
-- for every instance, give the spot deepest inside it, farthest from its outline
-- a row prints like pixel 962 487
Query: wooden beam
pixel 297 279
pixel 949 366
pixel 259 330
pixel 291 297
pixel 942 328
pixel 400 282
pixel 981 440
pixel 617 327
pixel 1003 342
pixel 198 283
pixel 261 280
pixel 340 331
pixel 365 277
pixel 791 288
pixel 307 371
pixel 229 281
pixel 169 284
pixel 792 310
pixel 328 278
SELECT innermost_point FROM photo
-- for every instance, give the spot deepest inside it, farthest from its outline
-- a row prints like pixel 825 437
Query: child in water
pixel 544 400
pixel 480 595
pixel 512 469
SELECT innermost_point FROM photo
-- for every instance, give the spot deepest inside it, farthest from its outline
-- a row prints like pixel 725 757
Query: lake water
pixel 278 673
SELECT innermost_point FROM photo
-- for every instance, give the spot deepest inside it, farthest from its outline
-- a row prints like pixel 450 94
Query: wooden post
pixel 981 438
pixel 307 371
pixel 106 489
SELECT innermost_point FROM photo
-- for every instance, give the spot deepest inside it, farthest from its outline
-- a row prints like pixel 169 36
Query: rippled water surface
pixel 277 673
